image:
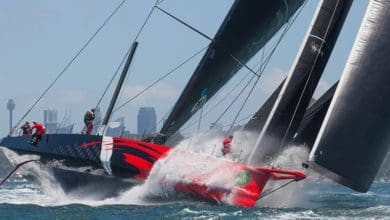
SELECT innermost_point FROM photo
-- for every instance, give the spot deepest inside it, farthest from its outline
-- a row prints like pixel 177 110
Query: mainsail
pixel 355 135
pixel 300 84
pixel 246 29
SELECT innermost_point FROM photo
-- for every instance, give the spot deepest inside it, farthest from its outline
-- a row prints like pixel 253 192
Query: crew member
pixel 26 129
pixel 88 119
pixel 39 131
pixel 227 144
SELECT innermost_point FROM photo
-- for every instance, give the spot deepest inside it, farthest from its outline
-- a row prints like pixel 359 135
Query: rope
pixel 161 78
pixel 70 63
pixel 262 68
pixel 126 54
pixel 15 169
pixel 260 71
pixel 276 189
pixel 234 100
pixel 190 124
pixel 207 37
pixel 147 19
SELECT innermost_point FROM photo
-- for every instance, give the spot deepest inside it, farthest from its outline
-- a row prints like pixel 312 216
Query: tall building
pixel 50 120
pixel 116 128
pixel 146 120
pixel 98 120
pixel 11 108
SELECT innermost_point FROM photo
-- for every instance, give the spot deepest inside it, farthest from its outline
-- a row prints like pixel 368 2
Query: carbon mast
pixel 296 93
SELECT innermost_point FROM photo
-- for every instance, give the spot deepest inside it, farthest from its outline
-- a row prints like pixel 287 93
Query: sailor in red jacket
pixel 39 131
pixel 227 144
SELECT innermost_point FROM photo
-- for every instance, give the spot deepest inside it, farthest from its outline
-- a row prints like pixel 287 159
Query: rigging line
pixel 113 77
pixel 15 169
pixel 262 68
pixel 261 65
pixel 310 75
pixel 127 53
pixel 146 20
pixel 200 115
pixel 161 78
pixel 207 37
pixel 234 100
pixel 227 95
pixel 274 190
pixel 71 61
pixel 185 24
pixel 216 104
pixel 238 121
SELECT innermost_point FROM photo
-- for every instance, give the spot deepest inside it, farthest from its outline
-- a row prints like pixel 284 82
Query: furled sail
pixel 246 29
pixel 355 135
pixel 300 84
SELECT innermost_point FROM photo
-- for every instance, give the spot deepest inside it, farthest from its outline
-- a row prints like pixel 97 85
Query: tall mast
pixel 300 84
pixel 118 88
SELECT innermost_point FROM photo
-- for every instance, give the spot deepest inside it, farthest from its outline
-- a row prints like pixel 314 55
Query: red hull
pixel 224 181
pixel 197 174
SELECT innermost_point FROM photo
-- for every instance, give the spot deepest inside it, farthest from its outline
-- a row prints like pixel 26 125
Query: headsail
pixel 313 118
pixel 355 135
pixel 246 29
pixel 256 123
pixel 300 84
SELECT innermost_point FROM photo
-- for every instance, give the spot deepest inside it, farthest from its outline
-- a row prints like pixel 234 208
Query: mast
pixel 118 88
pixel 298 89
pixel 355 136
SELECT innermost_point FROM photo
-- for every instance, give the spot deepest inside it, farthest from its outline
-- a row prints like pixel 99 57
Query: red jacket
pixel 40 129
pixel 226 146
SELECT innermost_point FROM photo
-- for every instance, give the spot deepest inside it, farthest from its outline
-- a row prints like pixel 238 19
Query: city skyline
pixel 146 120
pixel 50 120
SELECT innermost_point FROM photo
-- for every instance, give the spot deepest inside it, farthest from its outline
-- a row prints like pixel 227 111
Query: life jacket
pixel 226 145
pixel 89 116
pixel 26 129
pixel 40 129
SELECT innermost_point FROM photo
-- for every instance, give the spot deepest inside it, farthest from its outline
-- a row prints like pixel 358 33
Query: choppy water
pixel 313 198
pixel 321 201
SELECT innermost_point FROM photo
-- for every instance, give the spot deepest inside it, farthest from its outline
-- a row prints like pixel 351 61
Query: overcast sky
pixel 38 38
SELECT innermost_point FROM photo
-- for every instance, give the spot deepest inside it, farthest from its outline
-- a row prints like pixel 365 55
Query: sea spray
pixel 191 160
pixel 295 194
pixel 40 174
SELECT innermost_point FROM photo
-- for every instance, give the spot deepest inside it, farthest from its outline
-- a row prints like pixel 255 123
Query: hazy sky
pixel 38 38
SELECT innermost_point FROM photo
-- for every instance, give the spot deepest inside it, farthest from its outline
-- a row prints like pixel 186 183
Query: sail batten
pixel 248 26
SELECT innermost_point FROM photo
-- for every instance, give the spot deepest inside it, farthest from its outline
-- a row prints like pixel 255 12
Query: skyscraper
pixel 50 120
pixel 97 121
pixel 146 120
pixel 116 128
pixel 11 108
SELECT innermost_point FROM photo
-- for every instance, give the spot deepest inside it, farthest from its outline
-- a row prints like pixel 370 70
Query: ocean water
pixel 313 198
pixel 306 200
